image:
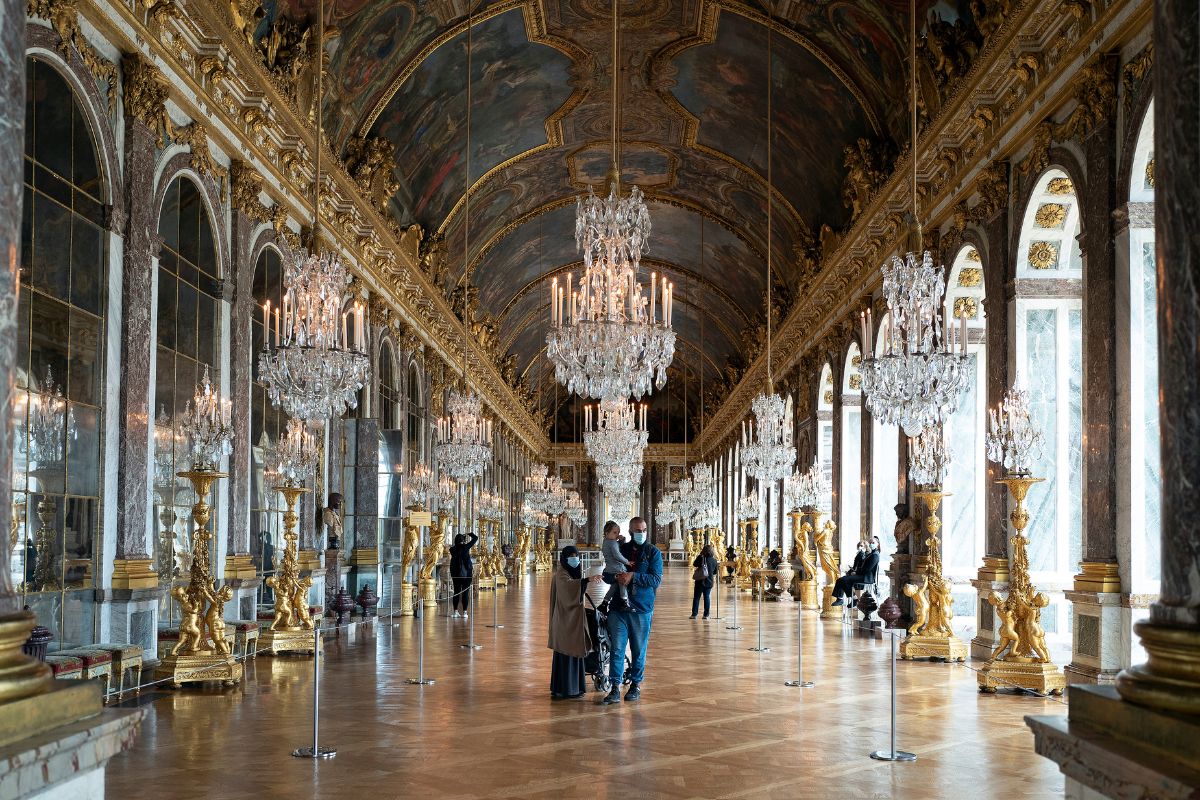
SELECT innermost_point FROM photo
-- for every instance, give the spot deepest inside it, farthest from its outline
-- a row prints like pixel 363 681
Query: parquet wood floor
pixel 715 720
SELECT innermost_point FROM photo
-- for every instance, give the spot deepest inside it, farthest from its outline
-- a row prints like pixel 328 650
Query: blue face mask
pixel 573 561
pixel 639 537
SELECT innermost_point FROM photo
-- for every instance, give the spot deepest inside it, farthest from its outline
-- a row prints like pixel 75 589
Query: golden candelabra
pixel 930 635
pixel 1021 660
pixel 292 624
pixel 804 581
pixel 202 652
pixel 45 576
pixel 166 545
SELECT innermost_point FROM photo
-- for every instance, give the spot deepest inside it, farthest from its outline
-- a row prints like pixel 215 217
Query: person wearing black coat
pixel 863 573
pixel 703 587
pixel 461 571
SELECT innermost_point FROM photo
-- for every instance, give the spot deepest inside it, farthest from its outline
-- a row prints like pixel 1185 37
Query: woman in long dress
pixel 569 637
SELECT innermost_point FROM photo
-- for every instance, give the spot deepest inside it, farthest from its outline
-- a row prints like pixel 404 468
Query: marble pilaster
pixel 142 244
pixel 238 565
pixel 364 559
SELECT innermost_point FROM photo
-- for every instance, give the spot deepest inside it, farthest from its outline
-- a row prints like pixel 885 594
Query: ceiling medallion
pixel 1043 255
pixel 1050 215
pixel 1060 186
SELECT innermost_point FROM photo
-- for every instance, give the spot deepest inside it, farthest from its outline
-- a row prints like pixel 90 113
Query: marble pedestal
pixel 429 592
pixel 245 596
pixel 1107 747
pixel 133 618
pixel 986 639
pixel 406 599
pixel 1098 641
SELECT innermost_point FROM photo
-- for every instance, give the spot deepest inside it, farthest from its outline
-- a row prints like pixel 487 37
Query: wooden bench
pixel 65 667
pixel 96 663
pixel 245 631
pixel 124 657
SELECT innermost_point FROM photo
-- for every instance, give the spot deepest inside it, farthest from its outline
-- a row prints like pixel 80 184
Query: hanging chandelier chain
pixel 616 95
pixel 912 83
pixel 770 186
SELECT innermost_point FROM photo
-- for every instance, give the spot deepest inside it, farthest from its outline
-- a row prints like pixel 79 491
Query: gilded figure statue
pixel 412 540
pixel 920 602
pixel 1007 632
pixel 803 554
pixel 215 618
pixel 824 544
pixel 285 618
pixel 437 543
pixel 300 603
pixel 191 634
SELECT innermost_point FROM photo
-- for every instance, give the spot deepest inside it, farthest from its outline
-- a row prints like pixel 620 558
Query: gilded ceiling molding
pixel 195 138
pixel 64 18
pixel 1070 40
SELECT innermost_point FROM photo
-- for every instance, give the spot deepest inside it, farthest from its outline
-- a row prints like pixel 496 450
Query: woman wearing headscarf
pixel 569 637
pixel 461 571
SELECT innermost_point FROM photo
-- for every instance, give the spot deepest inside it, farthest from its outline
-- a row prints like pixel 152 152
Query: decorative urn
pixel 343 604
pixel 368 600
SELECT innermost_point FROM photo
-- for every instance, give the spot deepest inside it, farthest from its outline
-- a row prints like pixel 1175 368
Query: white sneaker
pixel 464 615
pixel 455 615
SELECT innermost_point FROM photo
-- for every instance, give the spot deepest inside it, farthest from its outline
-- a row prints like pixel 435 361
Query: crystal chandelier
pixel 51 422
pixel 464 437
pixel 1013 441
pixel 168 443
pixel 919 379
pixel 293 459
pixel 616 433
pixel 207 424
pixel 555 500
pixel 419 486
pixel 928 458
pixel 319 361
pixel 667 511
pixel 535 487
pixel 533 517
pixel 575 510
pixel 747 507
pixel 767 447
pixel 447 494
pixel 810 490
pixel 622 502
pixel 620 478
pixel 611 337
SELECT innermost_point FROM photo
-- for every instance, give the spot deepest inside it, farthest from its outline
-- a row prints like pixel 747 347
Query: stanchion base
pixel 888 755
pixel 799 684
pixel 493 626
pixel 320 752
pixel 759 649
pixel 470 647
pixel 421 681
pixel 733 627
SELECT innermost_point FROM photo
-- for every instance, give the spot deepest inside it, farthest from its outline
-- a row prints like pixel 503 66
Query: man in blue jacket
pixel 632 626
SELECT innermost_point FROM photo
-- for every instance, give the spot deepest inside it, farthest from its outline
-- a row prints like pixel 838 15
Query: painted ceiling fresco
pixel 693 127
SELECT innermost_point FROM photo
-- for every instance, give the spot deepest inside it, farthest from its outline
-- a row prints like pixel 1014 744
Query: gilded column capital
pixel 245 186
pixel 196 138
pixel 146 93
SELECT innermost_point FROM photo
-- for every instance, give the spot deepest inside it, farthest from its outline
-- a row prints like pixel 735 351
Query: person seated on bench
pixel 863 573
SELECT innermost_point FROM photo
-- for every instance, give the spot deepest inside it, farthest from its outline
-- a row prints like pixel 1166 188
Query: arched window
pixel 58 402
pixel 825 432
pixel 1145 476
pixel 885 468
pixel 1049 363
pixel 963 514
pixel 391 413
pixel 188 335
pixel 850 499
pixel 267 424
pixel 416 418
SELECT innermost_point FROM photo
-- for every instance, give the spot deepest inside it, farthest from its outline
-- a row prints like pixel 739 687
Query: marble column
pixel 1139 740
pixel 999 302
pixel 364 559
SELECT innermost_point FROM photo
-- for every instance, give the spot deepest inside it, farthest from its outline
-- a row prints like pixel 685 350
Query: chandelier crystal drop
pixel 575 510
pixel 616 432
pixel 623 478
pixel 319 361
pixel 51 422
pixel 293 459
pixel 464 437
pixel 533 517
pixel 920 377
pixel 555 501
pixel 1013 441
pixel 208 426
pixel 447 493
pixel 667 511
pixel 808 490
pixel 767 447
pixel 535 487
pixel 928 458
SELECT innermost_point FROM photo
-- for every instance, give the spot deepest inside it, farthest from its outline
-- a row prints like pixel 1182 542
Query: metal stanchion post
pixel 759 648
pixel 316 751
pixel 419 618
pixel 893 754
pixel 717 586
pixel 733 585
pixel 799 682
pixel 495 609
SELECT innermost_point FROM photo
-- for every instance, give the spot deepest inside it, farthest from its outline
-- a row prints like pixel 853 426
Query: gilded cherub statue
pixel 300 603
pixel 920 606
pixel 1007 632
pixel 285 618
pixel 215 618
pixel 191 635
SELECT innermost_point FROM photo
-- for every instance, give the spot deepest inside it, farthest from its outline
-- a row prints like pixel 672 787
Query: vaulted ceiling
pixel 693 132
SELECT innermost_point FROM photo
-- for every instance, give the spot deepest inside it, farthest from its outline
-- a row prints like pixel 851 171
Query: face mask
pixel 639 537
pixel 874 545
pixel 572 561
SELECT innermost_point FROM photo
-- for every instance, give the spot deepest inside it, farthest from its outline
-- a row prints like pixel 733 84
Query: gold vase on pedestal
pixel 202 653
pixel 1026 664
pixel 292 625
pixel 930 635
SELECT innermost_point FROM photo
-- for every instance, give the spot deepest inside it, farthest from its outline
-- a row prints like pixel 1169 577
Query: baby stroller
pixel 595 663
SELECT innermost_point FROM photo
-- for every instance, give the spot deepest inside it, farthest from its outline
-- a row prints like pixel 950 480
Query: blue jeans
pixel 633 628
